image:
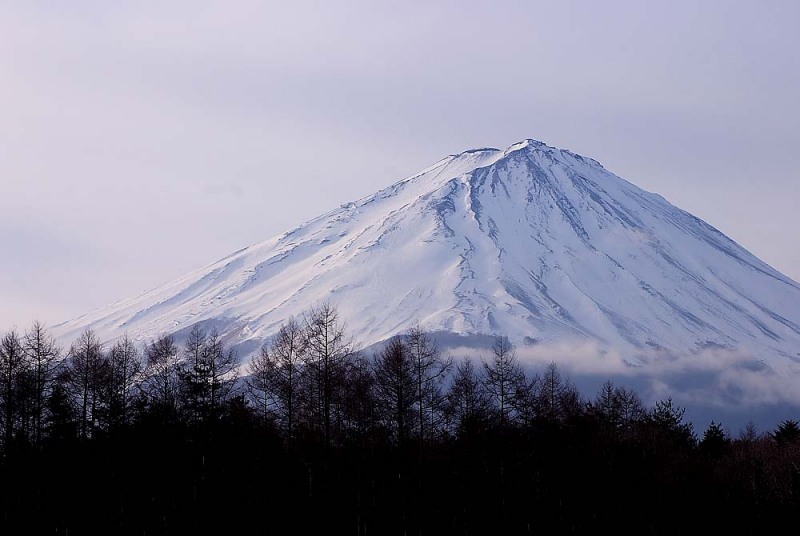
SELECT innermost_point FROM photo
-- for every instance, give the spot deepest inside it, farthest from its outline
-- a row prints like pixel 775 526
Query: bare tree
pixel 430 371
pixel 558 398
pixel 221 373
pixel 502 377
pixel 467 400
pixel 12 369
pixel 42 355
pixel 288 352
pixel 87 367
pixel 161 376
pixel 125 368
pixel 261 382
pixel 617 408
pixel 605 405
pixel 328 352
pixel 361 403
pixel 749 434
pixel 395 387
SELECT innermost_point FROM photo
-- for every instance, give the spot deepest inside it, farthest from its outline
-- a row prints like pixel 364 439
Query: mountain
pixel 533 242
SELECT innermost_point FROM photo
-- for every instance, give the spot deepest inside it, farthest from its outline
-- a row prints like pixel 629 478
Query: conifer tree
pixel 787 432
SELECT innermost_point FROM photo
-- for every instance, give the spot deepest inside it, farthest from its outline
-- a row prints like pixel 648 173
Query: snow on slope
pixel 533 242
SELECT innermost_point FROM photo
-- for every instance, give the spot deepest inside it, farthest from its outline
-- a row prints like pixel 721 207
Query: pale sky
pixel 141 140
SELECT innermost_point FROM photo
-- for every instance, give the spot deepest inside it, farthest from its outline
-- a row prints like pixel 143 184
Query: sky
pixel 142 140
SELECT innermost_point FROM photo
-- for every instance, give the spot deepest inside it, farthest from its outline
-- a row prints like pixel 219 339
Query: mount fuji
pixel 533 242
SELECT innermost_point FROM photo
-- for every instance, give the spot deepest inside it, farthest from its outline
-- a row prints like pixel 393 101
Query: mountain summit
pixel 533 242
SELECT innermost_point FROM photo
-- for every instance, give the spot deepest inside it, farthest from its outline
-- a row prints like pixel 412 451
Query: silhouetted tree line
pixel 314 435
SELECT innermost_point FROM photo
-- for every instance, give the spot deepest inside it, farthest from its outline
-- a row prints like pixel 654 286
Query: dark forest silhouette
pixel 314 435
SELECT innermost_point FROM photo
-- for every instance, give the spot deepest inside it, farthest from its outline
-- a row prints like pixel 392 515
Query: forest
pixel 314 435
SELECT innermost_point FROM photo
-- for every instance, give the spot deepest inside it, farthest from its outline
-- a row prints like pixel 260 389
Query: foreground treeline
pixel 312 435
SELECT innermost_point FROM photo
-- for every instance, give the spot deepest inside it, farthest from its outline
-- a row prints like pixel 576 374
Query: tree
pixel 61 409
pixel 395 387
pixel 361 402
pixel 525 401
pixel 208 375
pixel 502 376
pixel 12 369
pixel 42 355
pixel 667 418
pixel 558 398
pixel 430 370
pixel 328 353
pixel 788 432
pixel 467 400
pixel 87 369
pixel 715 440
pixel 162 381
pixel 631 408
pixel 749 434
pixel 221 373
pixel 280 370
pixel 124 371
pixel 617 408
pixel 605 405
pixel 191 369
pixel 261 382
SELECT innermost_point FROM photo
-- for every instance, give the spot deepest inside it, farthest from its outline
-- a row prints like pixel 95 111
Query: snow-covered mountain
pixel 533 242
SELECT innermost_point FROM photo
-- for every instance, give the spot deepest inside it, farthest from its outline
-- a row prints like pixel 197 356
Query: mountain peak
pixel 545 249
pixel 527 142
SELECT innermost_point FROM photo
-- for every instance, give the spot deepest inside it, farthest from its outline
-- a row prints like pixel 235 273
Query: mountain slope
pixel 533 242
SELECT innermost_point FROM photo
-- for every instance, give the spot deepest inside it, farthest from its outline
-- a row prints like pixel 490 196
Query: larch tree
pixel 87 370
pixel 467 401
pixel 220 374
pixel 12 370
pixel 328 351
pixel 261 382
pixel 361 403
pixel 161 376
pixel 558 398
pixel 617 408
pixel 395 387
pixel 125 368
pixel 502 377
pixel 42 355
pixel 430 370
pixel 289 348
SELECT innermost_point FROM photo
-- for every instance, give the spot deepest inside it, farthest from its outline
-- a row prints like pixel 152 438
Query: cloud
pixel 712 383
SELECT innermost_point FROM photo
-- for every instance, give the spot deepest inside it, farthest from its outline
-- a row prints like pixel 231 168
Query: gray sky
pixel 140 140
